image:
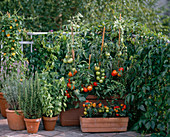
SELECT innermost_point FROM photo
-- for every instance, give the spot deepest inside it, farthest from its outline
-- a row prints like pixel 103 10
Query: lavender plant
pixel 11 84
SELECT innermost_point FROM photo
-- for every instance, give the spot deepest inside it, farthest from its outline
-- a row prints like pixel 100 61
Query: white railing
pixel 37 33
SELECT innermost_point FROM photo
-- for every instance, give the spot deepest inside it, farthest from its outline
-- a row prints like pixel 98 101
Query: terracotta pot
pixel 32 125
pixel 15 122
pixel 71 117
pixel 3 105
pixel 116 124
pixel 49 123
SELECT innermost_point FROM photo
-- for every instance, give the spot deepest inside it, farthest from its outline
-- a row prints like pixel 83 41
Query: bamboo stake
pixel 119 31
pixel 102 44
pixel 72 50
pixel 119 39
pixel 89 60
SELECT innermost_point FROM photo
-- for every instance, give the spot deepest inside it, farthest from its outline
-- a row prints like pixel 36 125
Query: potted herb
pixel 11 90
pixel 100 118
pixel 31 104
pixel 52 98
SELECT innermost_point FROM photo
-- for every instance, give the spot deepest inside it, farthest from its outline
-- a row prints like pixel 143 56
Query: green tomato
pixel 73 69
pixel 107 54
pixel 73 82
pixel 107 111
pixel 102 70
pixel 103 74
pixel 97 73
pixel 82 89
pixel 119 54
pixel 97 68
pixel 67 56
pixel 70 60
pixel 100 111
pixel 98 78
pixel 65 60
pixel 101 81
pixel 102 78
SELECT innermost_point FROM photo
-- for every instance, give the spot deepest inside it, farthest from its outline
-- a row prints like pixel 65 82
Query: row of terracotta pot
pixel 71 117
pixel 16 121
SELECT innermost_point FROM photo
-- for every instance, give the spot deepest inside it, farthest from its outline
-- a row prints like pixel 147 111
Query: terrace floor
pixel 60 132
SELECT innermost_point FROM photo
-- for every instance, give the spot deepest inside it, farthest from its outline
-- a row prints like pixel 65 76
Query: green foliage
pixel 42 15
pixel 52 94
pixel 149 81
pixel 45 15
pixel 30 97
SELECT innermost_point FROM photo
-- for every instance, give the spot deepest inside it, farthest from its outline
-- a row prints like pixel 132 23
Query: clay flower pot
pixel 116 124
pixel 3 105
pixel 49 123
pixel 32 125
pixel 15 121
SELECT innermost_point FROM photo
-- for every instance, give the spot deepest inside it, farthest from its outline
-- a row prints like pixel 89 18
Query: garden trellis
pixel 31 34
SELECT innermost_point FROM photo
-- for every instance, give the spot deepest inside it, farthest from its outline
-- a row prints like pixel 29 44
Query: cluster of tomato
pixel 100 108
pixel 115 73
pixel 88 88
pixel 71 84
pixel 68 59
pixel 100 74
pixel 120 108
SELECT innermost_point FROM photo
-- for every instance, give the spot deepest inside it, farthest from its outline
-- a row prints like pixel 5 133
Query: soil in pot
pixel 3 105
pixel 15 121
pixel 32 125
pixel 49 123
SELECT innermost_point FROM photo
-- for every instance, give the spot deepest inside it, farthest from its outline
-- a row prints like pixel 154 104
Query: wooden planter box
pixel 117 124
pixel 72 117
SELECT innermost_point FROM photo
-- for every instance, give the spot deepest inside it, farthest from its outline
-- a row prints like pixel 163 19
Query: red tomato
pixel 69 80
pixel 87 101
pixel 89 88
pixel 95 84
pixel 70 74
pixel 85 89
pixel 121 69
pixel 68 95
pixel 117 114
pixel 114 73
pixel 75 72
pixel 68 85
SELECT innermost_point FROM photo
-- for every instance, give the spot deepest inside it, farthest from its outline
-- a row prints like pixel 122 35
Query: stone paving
pixel 60 132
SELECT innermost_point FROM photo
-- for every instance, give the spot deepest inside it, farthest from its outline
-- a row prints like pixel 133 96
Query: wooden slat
pixel 98 120
pixel 103 129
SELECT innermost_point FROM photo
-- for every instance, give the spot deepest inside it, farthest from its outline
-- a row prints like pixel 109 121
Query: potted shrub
pixel 30 103
pixel 11 90
pixel 52 98
pixel 100 118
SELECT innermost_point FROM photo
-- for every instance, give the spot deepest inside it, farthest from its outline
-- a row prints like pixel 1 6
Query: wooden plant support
pixel 102 44
pixel 89 60
pixel 119 39
pixel 72 50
